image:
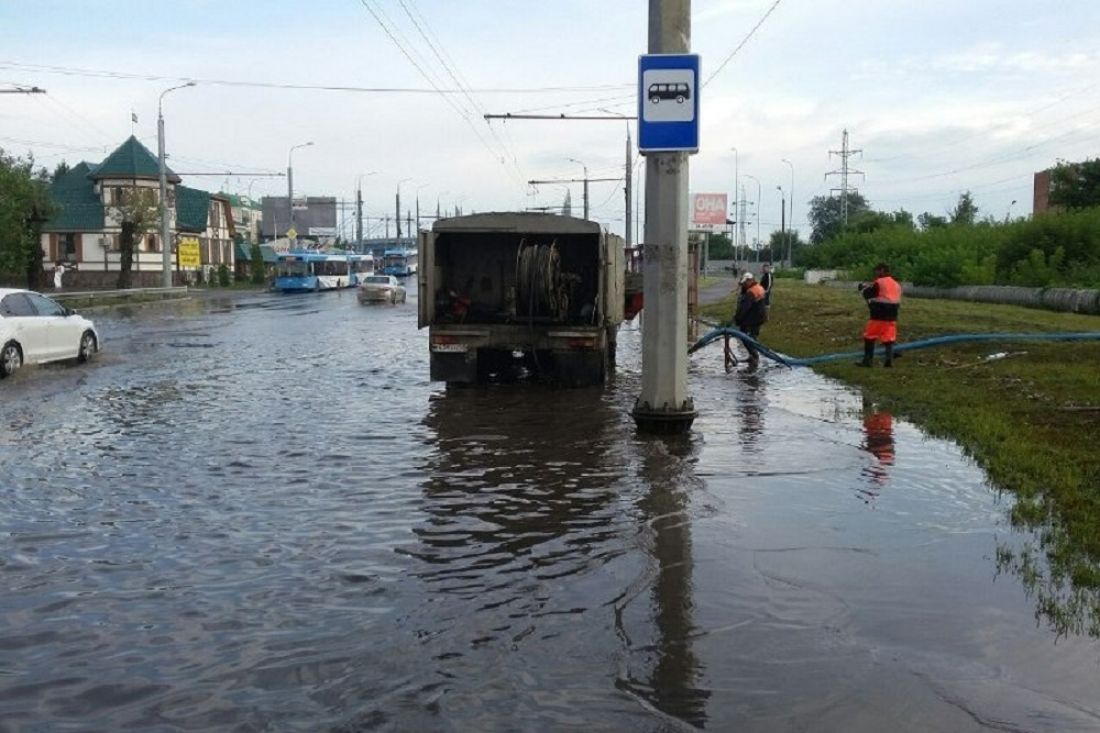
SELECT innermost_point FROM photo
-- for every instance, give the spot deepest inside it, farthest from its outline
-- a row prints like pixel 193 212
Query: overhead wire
pixel 464 114
pixel 124 75
pixel 452 71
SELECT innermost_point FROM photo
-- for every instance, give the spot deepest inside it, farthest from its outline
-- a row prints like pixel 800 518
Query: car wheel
pixel 680 99
pixel 404 296
pixel 88 347
pixel 11 358
pixel 655 99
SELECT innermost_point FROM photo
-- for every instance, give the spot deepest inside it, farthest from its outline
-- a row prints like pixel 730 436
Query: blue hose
pixel 790 361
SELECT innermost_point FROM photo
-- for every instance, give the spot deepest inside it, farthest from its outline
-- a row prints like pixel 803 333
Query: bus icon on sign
pixel 681 92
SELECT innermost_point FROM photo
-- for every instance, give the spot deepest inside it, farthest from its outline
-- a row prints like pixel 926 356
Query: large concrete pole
pixel 664 405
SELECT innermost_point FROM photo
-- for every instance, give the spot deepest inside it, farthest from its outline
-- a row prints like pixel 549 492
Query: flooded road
pixel 256 513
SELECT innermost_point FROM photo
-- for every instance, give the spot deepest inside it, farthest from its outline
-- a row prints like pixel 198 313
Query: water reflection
pixel 752 403
pixel 516 483
pixel 878 440
pixel 672 683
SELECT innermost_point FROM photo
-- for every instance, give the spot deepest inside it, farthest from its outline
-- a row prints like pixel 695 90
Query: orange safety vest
pixel 889 291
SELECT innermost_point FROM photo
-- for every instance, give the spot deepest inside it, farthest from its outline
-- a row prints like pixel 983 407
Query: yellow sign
pixel 189 252
pixel 291 233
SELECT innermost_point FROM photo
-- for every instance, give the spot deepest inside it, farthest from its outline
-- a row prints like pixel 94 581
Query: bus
pixel 308 271
pixel 399 262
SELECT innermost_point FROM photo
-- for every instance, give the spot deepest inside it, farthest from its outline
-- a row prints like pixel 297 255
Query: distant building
pixel 247 216
pixel 85 229
pixel 314 216
pixel 1040 203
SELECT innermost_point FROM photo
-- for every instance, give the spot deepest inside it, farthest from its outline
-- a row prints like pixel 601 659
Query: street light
pixel 757 247
pixel 782 223
pixel 790 239
pixel 165 230
pixel 585 167
pixel 290 181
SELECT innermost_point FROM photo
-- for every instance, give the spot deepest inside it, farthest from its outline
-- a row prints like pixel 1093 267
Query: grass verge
pixel 1030 419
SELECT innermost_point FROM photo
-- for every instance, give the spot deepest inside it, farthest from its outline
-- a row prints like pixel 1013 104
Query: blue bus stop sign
pixel 668 103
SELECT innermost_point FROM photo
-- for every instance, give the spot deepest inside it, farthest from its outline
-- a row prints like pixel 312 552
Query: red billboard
pixel 708 210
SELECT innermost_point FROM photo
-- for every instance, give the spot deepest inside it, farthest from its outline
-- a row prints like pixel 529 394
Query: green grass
pixel 1030 420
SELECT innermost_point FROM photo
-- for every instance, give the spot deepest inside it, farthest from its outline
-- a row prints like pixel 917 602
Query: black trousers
pixel 753 331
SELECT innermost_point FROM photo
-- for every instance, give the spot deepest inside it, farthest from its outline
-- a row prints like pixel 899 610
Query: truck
pixel 511 294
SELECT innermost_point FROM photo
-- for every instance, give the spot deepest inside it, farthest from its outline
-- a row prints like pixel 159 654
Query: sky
pixel 941 96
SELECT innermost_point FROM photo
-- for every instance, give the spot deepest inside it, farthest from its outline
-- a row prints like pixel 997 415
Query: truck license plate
pixel 449 348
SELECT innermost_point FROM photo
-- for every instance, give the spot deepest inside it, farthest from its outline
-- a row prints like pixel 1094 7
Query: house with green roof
pixel 85 228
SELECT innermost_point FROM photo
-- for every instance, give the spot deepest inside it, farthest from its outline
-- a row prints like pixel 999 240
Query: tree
pixel 720 247
pixel 1075 185
pixel 24 207
pixel 827 218
pixel 928 221
pixel 137 214
pixel 778 242
pixel 965 212
pixel 61 169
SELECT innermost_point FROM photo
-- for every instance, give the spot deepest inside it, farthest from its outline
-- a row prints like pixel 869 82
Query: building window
pixel 66 247
pixel 151 243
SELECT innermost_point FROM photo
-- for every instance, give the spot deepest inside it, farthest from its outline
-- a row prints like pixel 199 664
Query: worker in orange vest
pixel 751 314
pixel 883 297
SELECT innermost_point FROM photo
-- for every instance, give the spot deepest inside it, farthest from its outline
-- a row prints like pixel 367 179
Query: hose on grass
pixel 958 338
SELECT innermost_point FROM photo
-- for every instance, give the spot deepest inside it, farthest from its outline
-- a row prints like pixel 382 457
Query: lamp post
pixel 790 238
pixel 585 167
pixel 290 181
pixel 165 228
pixel 757 247
pixel 1008 212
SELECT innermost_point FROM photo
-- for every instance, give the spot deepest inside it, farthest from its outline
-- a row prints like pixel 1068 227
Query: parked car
pixel 35 329
pixel 381 289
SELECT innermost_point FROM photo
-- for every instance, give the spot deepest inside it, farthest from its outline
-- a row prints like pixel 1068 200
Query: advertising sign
pixel 708 211
pixel 190 255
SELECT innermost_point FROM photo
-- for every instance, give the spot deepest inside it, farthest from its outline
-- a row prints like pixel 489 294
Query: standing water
pixel 258 514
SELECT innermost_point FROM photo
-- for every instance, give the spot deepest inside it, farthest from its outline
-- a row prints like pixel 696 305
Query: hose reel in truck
pixel 542 291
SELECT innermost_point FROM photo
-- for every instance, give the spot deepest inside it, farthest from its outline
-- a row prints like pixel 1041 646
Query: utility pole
pixel 844 172
pixel 397 208
pixel 664 405
pixel 628 178
pixel 736 190
pixel 359 218
pixel 790 235
pixel 782 222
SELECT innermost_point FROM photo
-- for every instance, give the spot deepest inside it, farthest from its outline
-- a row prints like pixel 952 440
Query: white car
pixel 35 330
pixel 381 289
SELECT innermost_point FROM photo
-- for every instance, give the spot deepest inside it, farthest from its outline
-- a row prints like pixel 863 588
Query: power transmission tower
pixel 845 152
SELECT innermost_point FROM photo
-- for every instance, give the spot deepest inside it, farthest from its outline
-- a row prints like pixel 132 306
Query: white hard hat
pixel 746 277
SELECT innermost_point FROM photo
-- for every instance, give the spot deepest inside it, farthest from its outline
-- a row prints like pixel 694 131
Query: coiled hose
pixel 539 290
pixel 959 338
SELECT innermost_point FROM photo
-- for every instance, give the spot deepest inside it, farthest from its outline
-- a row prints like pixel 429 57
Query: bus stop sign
pixel 668 103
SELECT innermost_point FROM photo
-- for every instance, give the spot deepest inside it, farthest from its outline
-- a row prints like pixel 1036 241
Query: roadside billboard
pixel 189 253
pixel 708 211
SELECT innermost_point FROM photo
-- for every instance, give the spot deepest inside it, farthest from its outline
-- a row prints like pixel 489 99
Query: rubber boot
pixel 889 354
pixel 868 353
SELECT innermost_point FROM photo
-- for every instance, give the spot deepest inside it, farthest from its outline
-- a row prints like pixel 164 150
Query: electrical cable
pixel 123 75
